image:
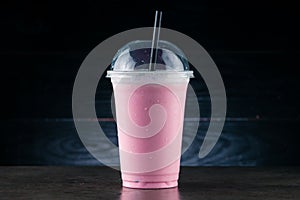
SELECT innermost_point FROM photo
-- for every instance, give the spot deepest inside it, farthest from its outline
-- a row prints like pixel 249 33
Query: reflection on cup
pixel 165 194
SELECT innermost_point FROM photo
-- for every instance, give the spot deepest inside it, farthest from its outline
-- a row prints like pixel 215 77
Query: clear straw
pixel 155 40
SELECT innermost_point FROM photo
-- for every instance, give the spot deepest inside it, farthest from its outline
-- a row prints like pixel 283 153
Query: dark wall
pixel 255 45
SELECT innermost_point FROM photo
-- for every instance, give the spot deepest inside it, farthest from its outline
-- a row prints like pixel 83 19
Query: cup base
pixel 150 185
pixel 152 180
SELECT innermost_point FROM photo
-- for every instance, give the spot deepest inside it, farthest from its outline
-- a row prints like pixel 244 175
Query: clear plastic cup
pixel 150 112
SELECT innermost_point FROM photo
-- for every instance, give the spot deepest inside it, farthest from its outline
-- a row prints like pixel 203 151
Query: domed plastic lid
pixel 135 58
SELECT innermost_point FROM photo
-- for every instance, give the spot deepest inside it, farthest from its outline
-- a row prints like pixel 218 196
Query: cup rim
pixel 169 74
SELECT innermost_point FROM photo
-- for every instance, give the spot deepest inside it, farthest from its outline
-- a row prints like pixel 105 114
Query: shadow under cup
pixel 150 114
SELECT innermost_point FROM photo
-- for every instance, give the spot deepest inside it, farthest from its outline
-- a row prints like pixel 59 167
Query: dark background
pixel 255 45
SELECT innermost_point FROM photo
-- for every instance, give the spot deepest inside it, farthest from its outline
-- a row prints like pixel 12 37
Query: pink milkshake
pixel 150 113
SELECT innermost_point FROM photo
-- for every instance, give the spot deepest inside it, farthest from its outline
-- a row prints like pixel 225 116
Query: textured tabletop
pixel 105 183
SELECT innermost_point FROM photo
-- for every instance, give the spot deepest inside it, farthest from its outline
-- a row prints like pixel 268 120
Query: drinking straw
pixel 155 40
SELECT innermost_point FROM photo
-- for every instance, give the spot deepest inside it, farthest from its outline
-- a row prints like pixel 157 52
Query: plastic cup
pixel 150 112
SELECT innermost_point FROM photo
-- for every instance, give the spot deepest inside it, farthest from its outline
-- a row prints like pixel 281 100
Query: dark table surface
pixel 105 183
